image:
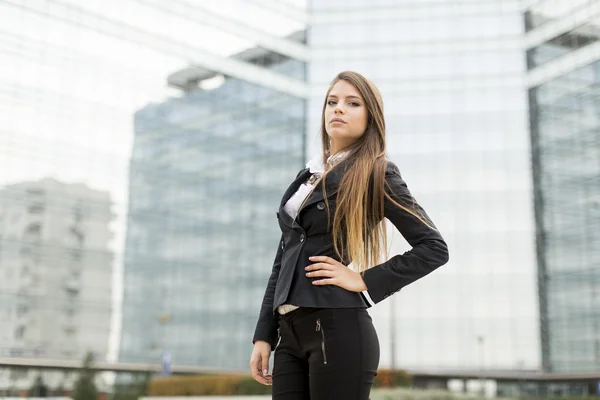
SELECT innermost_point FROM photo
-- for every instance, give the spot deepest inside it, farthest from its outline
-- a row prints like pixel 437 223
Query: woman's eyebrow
pixel 351 96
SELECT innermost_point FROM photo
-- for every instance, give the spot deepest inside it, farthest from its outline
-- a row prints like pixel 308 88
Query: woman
pixel 330 216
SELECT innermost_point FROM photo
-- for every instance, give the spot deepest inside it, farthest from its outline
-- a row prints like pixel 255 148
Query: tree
pixel 132 390
pixel 39 389
pixel 84 388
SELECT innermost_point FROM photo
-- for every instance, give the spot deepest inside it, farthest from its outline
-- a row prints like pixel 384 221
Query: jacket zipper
pixel 319 328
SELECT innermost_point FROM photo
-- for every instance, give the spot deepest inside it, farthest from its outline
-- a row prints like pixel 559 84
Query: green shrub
pixel 84 388
pixel 132 390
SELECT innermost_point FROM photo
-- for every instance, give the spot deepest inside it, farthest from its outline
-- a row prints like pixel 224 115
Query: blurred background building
pixel 452 75
pixel 563 57
pixel 55 286
pixel 56 280
pixel 190 118
pixel 206 176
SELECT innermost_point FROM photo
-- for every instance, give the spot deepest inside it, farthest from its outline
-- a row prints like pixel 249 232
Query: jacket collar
pixel 316 166
pixel 332 182
pixel 302 176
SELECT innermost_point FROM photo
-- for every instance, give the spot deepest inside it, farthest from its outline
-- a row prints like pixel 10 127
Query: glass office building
pixel 565 123
pixel 207 173
pixel 452 76
pixel 73 75
pixel 502 148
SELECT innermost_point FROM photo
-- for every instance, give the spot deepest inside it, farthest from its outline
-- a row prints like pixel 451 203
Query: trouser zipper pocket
pixel 320 328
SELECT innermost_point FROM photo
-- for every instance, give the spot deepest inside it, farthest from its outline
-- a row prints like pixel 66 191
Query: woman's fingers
pixel 334 274
pixel 322 272
pixel 324 259
pixel 265 369
pixel 328 281
pixel 320 265
pixel 256 368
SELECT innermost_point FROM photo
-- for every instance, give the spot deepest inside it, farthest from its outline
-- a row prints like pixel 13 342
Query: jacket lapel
pixel 302 176
pixel 332 184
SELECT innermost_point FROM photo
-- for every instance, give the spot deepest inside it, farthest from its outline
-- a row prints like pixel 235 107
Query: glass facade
pixel 584 34
pixel 566 140
pixel 73 75
pixel 564 104
pixel 207 173
pixel 542 12
pixel 451 76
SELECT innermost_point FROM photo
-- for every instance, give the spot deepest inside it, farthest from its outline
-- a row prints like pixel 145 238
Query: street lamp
pixel 481 341
pixel 165 361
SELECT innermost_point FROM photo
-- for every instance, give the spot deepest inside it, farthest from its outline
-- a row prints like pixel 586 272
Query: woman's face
pixel 345 115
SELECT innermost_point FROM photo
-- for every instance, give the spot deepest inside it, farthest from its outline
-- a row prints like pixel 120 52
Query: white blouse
pixel 316 166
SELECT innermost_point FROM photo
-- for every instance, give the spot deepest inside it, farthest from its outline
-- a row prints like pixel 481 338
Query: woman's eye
pixel 352 103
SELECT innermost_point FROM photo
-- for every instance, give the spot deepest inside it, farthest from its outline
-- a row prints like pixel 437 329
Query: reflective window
pixel 561 45
pixel 111 174
pixel 542 12
pixel 207 174
pixel 456 119
pixel 566 127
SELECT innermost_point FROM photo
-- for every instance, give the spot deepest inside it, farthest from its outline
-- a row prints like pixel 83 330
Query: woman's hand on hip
pixel 333 272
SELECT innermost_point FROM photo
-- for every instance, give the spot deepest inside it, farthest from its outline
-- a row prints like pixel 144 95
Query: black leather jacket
pixel 310 235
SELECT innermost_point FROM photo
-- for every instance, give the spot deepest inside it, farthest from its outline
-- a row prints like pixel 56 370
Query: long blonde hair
pixel 358 225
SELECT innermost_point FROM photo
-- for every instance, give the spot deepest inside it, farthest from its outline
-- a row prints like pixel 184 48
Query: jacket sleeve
pixel 429 250
pixel 266 327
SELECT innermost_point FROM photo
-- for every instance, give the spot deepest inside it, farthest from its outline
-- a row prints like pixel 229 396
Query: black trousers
pixel 325 354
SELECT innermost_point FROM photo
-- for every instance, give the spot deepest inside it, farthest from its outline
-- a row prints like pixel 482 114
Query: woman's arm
pixel 266 327
pixel 429 250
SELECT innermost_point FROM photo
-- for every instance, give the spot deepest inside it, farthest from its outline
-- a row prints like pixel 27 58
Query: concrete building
pixel 55 273
pixel 56 270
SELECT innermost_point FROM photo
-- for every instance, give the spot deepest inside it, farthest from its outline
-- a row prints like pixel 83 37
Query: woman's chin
pixel 338 133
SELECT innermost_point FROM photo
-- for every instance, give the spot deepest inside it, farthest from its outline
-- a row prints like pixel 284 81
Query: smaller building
pixel 55 271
